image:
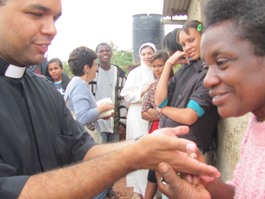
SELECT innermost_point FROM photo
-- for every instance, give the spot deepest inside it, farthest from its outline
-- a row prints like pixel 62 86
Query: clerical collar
pixel 10 70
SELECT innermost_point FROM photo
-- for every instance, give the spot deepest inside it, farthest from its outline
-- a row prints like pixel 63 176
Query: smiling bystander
pixel 108 83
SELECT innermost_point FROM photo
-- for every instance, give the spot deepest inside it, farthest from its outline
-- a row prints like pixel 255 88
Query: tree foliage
pixel 121 58
pixel 67 70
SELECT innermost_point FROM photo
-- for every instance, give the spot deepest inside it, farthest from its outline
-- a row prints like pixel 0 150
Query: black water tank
pixel 146 28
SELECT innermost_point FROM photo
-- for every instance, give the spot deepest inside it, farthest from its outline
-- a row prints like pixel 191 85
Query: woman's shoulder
pixel 78 84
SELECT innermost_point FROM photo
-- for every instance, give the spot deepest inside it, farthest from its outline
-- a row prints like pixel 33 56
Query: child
pixel 150 113
pixel 60 79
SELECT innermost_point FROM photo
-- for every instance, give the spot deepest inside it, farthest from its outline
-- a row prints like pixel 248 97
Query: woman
pixel 82 63
pixel 134 90
pixel 185 100
pixel 233 48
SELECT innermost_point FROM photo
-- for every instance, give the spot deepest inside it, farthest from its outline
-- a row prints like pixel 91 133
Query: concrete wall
pixel 230 131
pixel 230 134
pixel 195 10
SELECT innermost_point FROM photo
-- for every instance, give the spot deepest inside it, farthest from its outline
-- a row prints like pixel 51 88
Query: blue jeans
pixel 110 137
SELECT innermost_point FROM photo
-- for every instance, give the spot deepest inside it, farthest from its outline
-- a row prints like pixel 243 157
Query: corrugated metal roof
pixel 175 7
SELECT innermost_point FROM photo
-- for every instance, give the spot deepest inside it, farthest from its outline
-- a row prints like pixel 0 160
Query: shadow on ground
pixel 122 190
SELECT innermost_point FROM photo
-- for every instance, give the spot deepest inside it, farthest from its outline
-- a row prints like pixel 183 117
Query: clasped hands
pixel 179 155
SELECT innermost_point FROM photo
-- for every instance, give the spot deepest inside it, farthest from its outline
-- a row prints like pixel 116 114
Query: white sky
pixel 90 22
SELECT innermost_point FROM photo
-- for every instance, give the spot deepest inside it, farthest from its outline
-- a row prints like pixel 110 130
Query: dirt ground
pixel 122 190
pixel 120 187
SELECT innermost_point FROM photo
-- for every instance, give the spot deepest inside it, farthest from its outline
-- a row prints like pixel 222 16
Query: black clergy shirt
pixel 37 132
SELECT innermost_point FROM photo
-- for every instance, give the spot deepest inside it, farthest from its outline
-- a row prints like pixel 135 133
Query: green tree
pixel 67 70
pixel 121 58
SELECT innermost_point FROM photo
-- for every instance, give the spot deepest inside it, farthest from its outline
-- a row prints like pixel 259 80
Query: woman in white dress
pixel 137 84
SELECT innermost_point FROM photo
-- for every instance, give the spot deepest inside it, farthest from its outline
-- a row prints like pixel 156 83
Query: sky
pixel 90 22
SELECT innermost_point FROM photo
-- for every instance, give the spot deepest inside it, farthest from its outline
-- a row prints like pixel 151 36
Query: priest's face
pixel 27 29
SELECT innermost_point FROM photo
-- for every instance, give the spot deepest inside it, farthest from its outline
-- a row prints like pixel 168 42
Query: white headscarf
pixel 138 79
pixel 147 69
pixel 140 49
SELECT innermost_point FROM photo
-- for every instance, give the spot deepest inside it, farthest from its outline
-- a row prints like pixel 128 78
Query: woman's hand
pixel 107 106
pixel 145 89
pixel 178 57
pixel 175 187
pixel 194 179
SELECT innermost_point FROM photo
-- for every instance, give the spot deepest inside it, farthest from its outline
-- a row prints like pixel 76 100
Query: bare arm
pixel 89 178
pixel 150 115
pixel 162 87
pixel 148 111
pixel 163 145
pixel 83 180
pixel 102 149
pixel 219 189
pixel 186 116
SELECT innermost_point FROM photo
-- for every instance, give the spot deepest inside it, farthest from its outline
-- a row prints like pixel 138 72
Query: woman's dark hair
pixel 247 17
pixel 159 54
pixel 57 61
pixel 80 57
pixel 170 41
pixel 191 24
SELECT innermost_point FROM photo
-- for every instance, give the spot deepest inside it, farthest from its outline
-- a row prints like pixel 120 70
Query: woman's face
pixel 158 67
pixel 191 43
pixel 146 53
pixel 235 75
